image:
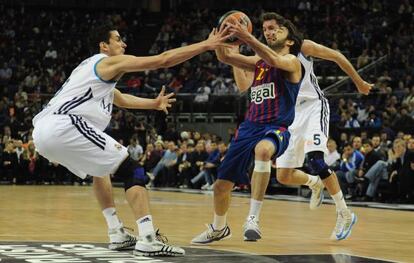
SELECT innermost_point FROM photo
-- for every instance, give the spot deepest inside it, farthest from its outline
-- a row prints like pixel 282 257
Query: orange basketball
pixel 239 16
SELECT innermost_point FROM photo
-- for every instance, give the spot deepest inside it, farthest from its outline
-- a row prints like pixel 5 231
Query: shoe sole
pixel 122 246
pixel 348 233
pixel 156 254
pixel 251 236
pixel 210 241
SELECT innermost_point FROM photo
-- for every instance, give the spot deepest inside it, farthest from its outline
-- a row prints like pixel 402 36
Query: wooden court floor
pixel 71 213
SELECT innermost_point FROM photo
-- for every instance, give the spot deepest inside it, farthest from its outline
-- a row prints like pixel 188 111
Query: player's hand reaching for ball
pixel 237 29
pixel 218 38
pixel 163 102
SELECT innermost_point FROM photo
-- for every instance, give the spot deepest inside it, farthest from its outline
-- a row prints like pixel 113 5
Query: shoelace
pixel 160 237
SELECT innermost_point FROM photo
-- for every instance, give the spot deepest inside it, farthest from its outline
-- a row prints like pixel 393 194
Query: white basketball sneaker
pixel 153 245
pixel 211 235
pixel 120 239
pixel 251 229
pixel 317 195
pixel 344 222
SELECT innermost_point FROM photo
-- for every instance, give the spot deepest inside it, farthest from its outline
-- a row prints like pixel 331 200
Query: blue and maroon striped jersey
pixel 272 97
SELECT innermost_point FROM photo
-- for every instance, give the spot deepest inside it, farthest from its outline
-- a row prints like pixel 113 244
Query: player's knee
pixel 317 165
pixel 132 174
pixel 262 166
pixel 221 187
pixel 283 175
pixel 264 151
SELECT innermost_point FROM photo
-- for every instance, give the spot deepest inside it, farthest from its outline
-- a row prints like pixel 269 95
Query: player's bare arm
pixel 112 67
pixel 234 59
pixel 161 102
pixel 310 48
pixel 243 78
pixel 287 62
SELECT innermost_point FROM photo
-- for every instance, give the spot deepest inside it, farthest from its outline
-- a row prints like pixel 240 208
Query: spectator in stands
pixel 357 143
pixel 135 149
pixel 168 159
pixel 184 165
pixel 8 163
pixel 380 149
pixel 333 158
pixel 208 168
pixel 396 160
pixel 352 160
pixel 373 169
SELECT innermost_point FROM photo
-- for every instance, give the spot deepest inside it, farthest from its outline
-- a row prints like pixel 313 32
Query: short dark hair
pixel 369 142
pixel 99 34
pixel 294 34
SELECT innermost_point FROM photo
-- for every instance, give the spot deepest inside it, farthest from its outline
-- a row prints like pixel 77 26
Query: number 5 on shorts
pixel 316 139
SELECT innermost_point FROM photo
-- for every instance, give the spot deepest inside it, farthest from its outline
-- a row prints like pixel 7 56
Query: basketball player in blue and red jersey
pixel 264 133
pixel 308 137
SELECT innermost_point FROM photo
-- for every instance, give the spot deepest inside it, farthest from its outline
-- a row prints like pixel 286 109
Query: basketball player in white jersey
pixel 69 130
pixel 309 135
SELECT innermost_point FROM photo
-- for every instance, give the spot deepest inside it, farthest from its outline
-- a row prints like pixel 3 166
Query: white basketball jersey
pixel 309 89
pixel 83 94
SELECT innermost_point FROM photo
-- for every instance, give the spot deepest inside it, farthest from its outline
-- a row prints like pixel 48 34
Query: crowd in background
pixel 37 55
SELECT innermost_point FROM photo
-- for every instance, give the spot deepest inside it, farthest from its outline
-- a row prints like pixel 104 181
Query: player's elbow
pixel 164 60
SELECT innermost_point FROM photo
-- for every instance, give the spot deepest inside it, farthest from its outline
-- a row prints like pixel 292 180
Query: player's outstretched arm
pixel 243 77
pixel 313 49
pixel 161 102
pixel 287 62
pixel 228 56
pixel 112 67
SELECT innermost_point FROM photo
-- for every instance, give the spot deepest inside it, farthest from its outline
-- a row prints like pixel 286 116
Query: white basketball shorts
pixel 309 132
pixel 76 144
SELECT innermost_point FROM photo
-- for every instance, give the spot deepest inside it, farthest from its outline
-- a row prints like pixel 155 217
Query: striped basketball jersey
pixel 84 94
pixel 272 97
pixel 309 88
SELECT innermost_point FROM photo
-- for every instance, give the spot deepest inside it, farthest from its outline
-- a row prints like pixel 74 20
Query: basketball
pixel 239 16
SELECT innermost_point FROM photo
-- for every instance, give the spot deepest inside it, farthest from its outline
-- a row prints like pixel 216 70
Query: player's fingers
pixel 162 91
pixel 172 100
pixel 170 95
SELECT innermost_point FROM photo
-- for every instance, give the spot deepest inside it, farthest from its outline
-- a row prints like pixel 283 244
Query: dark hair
pixel 369 142
pixel 100 34
pixel 347 145
pixel 294 34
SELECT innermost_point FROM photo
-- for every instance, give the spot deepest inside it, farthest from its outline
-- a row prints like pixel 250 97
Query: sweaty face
pixel 116 46
pixel 275 35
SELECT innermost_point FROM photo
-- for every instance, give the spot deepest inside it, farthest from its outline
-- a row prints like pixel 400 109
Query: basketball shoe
pixel 251 229
pixel 120 239
pixel 345 220
pixel 317 195
pixel 211 235
pixel 155 244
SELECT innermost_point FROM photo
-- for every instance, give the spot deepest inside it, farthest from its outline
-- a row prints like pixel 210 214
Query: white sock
pixel 111 218
pixel 219 221
pixel 255 208
pixel 312 180
pixel 339 201
pixel 145 226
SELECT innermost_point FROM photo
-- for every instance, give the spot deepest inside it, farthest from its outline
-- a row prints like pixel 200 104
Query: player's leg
pixel 264 151
pixel 317 128
pixel 132 174
pixel 119 238
pixel 79 146
pixel 233 169
pixel 272 145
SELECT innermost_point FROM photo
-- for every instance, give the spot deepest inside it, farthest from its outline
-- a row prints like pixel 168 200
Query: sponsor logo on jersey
pixel 262 92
